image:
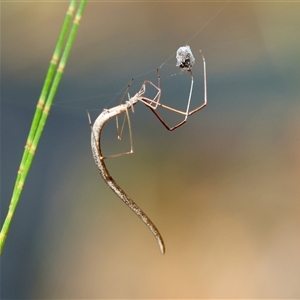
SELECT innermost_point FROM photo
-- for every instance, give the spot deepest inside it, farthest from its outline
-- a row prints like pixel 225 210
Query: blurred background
pixel 223 189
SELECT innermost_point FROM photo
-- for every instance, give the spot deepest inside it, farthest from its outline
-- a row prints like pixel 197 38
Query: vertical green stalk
pixel 43 108
pixel 47 85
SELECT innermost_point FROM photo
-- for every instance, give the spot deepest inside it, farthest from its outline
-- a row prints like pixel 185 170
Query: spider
pixel 185 61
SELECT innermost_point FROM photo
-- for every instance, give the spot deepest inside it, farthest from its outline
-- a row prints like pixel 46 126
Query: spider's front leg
pixel 152 103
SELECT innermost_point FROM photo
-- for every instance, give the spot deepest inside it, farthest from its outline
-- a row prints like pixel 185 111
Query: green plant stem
pixel 43 108
pixel 46 86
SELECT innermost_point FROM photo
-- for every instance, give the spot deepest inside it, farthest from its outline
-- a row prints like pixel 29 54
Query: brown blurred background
pixel 223 189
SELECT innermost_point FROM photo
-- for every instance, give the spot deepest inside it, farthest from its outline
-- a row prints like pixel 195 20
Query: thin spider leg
pixel 126 91
pixel 117 117
pixel 120 137
pixel 190 94
pixel 97 128
pixel 205 87
pixel 91 126
pixel 120 131
pixel 126 117
pixel 155 101
pixel 165 124
pixel 172 109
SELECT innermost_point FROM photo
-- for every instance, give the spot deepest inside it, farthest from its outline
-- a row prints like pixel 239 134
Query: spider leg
pixel 120 133
pixel 205 88
pixel 152 103
pixel 126 91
